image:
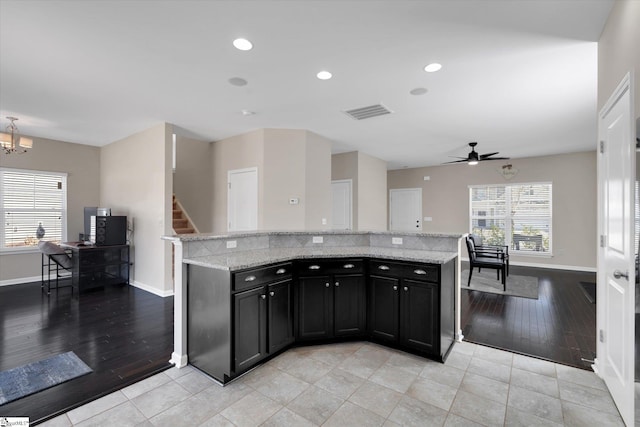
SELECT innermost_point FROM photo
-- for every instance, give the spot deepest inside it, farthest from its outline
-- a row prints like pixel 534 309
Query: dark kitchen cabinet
pixel 331 299
pixel 250 327
pixel 384 308
pixel 280 316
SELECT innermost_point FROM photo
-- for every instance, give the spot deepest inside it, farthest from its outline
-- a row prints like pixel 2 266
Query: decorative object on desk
pixel 40 231
pixel 474 157
pixel 589 289
pixel 508 171
pixel 37 376
pixel 485 281
pixel 11 141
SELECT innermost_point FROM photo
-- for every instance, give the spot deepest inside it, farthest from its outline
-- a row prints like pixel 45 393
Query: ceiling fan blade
pixel 456 161
pixel 458 157
pixel 495 158
pixel 484 156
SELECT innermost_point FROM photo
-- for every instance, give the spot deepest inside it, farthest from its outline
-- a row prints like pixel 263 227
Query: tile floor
pixel 363 384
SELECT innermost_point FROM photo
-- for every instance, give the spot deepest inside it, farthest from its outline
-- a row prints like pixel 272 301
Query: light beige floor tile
pixel 315 404
pixel 193 411
pixel 531 364
pixel 579 376
pixel 464 347
pixel 251 410
pixel 219 397
pixel 485 387
pixel 160 398
pixel 261 374
pixel 412 412
pixel 580 416
pixel 352 415
pixel 535 382
pixel 534 403
pixel 454 420
pixel 59 421
pixel 287 418
pixel 282 388
pixel 495 371
pixel 284 360
pixel 458 360
pixel 174 372
pixel 375 352
pixel 123 415
pixel 478 409
pixel 393 378
pixel 217 421
pixel 408 362
pixel 517 418
pixel 376 398
pixel 587 396
pixel 196 381
pixel 96 407
pixel 389 423
pixel 360 366
pixel 340 382
pixel 145 423
pixel 333 354
pixel 493 355
pixel 442 374
pixel 431 392
pixel 308 369
pixel 145 385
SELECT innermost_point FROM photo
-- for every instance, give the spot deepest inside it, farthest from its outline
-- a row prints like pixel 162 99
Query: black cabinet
pixel 384 308
pixel 331 299
pixel 96 266
pixel 262 314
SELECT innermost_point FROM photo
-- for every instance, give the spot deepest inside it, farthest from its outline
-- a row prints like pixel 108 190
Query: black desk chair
pixel 480 260
pixel 495 251
pixel 54 258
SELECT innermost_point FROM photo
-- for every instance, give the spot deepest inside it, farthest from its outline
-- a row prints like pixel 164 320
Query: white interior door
pixel 405 209
pixel 341 204
pixel 616 313
pixel 242 200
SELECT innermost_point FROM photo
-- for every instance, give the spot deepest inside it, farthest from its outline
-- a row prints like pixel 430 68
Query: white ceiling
pixel 518 76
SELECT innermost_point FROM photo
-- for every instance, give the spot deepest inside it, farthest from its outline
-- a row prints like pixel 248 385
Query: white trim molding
pixel 549 266
pixel 151 289
pixel 20 280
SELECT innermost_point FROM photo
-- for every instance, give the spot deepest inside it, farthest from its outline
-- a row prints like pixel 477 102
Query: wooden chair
pixel 480 260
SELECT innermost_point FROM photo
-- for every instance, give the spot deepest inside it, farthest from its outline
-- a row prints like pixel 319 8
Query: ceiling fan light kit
pixel 473 157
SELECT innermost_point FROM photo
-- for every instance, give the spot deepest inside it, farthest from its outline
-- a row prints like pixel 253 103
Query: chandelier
pixel 11 141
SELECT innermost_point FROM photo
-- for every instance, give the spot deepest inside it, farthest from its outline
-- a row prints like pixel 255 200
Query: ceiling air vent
pixel 368 112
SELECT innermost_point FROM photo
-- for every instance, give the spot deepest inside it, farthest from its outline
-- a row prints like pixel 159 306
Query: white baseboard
pixel 9 282
pixel 550 266
pixel 179 360
pixel 152 290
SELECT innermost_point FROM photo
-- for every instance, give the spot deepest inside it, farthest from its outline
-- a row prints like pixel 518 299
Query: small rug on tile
pixel 589 289
pixel 485 281
pixel 37 376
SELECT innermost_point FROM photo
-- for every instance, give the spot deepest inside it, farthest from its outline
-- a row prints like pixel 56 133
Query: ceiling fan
pixel 473 157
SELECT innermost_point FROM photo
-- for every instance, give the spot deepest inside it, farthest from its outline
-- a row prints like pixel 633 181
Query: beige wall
pixel 192 180
pixel 136 181
pixel 372 193
pixel 445 198
pixel 619 51
pixel 317 182
pixel 82 164
pixel 345 166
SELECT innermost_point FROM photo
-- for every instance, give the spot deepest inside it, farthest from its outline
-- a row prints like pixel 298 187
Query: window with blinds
pixel 518 215
pixel 33 207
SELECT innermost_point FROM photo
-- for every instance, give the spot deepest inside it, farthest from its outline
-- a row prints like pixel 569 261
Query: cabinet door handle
pixel 263 296
pixel 337 283
pixel 250 278
pixel 314 267
pixel 281 271
pixel 348 266
pixel 383 267
pixel 420 272
pixel 272 293
pixel 406 289
pixel 326 285
pixel 395 288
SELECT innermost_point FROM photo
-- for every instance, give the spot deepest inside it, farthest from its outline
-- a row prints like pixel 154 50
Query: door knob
pixel 618 274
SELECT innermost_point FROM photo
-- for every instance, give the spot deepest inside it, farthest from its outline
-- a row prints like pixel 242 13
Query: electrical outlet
pixel 317 239
pixel 232 244
pixel 324 221
pixel 427 178
pixel 396 240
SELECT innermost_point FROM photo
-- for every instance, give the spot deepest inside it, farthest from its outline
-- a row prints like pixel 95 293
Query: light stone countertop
pixel 254 258
pixel 213 236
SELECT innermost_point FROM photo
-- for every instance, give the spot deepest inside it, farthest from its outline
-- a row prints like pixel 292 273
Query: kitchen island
pixel 242 298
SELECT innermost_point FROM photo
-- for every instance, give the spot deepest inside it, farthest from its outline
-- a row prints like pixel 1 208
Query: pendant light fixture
pixel 11 141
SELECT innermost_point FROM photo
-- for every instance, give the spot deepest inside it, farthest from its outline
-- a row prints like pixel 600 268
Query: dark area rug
pixel 485 281
pixel 37 376
pixel 589 290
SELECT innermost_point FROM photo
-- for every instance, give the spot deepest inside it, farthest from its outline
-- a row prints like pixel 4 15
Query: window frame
pixel 507 218
pixel 63 212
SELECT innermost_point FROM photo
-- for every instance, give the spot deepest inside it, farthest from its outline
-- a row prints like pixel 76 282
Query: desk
pixel 95 266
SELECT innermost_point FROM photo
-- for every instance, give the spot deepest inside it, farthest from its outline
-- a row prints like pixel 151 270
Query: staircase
pixel 181 222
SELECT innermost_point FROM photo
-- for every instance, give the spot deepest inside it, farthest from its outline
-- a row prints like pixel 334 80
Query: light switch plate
pixel 396 240
pixel 318 239
pixel 232 244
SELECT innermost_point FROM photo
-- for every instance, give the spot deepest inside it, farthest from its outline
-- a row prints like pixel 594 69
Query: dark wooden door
pixel 419 315
pixel 250 336
pixel 349 305
pixel 280 315
pixel 315 309
pixel 383 314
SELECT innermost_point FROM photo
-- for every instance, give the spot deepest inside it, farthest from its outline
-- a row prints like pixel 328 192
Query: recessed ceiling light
pixel 433 67
pixel 248 113
pixel 324 75
pixel 418 91
pixel 237 81
pixel 242 44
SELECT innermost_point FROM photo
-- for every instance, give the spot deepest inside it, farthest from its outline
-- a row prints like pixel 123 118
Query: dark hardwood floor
pixel 559 326
pixel 123 333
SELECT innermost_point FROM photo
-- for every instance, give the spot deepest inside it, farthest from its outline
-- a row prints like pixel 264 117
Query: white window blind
pixel 518 215
pixel 31 203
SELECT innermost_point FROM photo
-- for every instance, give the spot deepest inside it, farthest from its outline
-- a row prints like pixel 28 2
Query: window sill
pixel 531 254
pixel 19 251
